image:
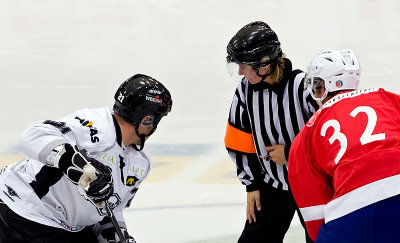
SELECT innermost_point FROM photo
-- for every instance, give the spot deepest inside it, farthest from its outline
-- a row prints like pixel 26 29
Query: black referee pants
pixel 273 221
pixel 16 229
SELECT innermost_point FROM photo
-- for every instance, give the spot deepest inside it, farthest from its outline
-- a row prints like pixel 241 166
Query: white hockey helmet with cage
pixel 333 69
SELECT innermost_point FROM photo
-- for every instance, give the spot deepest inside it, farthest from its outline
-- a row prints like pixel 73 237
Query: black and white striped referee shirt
pixel 264 115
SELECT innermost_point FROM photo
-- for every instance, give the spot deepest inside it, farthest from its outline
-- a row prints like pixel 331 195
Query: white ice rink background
pixel 57 56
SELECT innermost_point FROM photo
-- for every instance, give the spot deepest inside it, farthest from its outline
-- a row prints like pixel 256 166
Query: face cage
pixel 315 84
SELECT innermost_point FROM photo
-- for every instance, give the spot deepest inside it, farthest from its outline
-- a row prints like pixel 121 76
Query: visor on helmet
pixel 233 67
pixel 316 86
pixel 233 70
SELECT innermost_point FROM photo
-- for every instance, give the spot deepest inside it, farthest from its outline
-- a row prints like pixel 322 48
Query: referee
pixel 269 108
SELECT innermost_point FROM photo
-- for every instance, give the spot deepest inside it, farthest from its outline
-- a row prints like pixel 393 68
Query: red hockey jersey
pixel 347 156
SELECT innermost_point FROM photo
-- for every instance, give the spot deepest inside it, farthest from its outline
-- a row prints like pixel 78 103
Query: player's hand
pixel 73 163
pixel 109 235
pixel 253 204
pixel 277 153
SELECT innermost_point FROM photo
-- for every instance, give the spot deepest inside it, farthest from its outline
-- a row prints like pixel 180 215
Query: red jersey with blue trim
pixel 347 156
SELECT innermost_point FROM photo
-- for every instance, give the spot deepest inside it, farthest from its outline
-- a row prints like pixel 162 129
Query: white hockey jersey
pixel 44 195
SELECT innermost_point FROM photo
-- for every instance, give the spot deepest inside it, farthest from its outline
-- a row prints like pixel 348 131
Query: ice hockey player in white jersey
pixel 51 196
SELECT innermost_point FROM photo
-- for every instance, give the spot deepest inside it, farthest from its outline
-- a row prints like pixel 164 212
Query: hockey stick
pixel 89 175
pixel 115 223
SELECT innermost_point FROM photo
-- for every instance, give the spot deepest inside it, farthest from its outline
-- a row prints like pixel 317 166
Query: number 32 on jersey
pixel 366 137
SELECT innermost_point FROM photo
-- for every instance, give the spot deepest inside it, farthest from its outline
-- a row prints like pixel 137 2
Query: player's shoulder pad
pixel 93 127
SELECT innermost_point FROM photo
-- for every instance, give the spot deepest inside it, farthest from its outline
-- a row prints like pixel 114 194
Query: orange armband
pixel 239 140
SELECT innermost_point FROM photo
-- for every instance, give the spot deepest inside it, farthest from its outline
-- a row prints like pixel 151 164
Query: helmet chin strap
pixel 263 77
pixel 142 137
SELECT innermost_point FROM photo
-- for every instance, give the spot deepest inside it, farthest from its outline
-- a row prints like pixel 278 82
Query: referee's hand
pixel 277 153
pixel 253 204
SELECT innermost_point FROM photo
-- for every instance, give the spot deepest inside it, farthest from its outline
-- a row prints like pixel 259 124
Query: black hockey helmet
pixel 140 96
pixel 256 44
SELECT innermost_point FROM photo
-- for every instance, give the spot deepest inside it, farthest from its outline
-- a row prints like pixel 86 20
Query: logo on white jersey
pixel 131 180
pixel 136 170
pixel 11 193
pixel 93 130
pixel 71 228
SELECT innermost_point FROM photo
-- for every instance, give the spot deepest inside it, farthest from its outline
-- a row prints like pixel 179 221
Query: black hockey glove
pixel 74 163
pixel 109 235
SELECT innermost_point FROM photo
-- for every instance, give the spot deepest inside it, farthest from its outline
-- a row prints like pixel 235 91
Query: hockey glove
pixel 74 162
pixel 109 235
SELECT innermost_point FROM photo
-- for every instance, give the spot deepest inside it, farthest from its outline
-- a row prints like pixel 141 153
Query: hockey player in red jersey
pixel 344 166
pixel 42 198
